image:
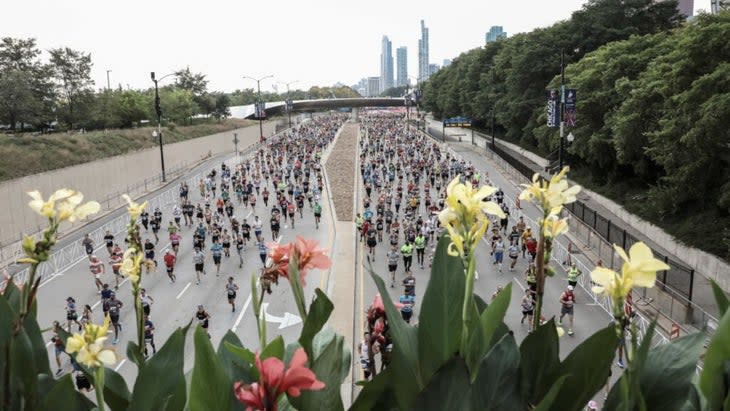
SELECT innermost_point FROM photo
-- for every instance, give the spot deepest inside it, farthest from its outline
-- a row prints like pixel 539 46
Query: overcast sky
pixel 315 42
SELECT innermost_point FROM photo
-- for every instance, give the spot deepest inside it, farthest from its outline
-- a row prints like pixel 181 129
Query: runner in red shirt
pixel 170 264
pixel 96 266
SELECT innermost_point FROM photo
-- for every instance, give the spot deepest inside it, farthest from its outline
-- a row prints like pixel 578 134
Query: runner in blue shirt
pixel 217 250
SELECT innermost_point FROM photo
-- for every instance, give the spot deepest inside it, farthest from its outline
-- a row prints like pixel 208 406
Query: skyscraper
pixel 495 33
pixel 446 63
pixel 373 86
pixel 386 65
pixel 423 71
pixel 401 57
pixel 433 68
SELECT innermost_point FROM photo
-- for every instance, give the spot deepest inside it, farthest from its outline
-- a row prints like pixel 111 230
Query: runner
pixel 199 262
pixel 263 251
pixel 499 253
pixel 114 308
pixel 407 252
pixel 567 301
pixel 170 259
pixel 109 240
pixel 146 300
pixel 528 306
pixel 149 335
pixel 231 289
pixel 203 319
pixel 420 243
pixel 392 257
pixel 216 251
pixel 115 262
pixel 573 274
pixel 149 255
pixel 58 346
pixel 96 266
pixel 71 315
pixel 88 244
pixel 317 209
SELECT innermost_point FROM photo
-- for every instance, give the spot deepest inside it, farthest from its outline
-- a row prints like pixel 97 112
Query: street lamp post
pixel 289 104
pixel 258 85
pixel 108 83
pixel 235 143
pixel 562 106
pixel 158 111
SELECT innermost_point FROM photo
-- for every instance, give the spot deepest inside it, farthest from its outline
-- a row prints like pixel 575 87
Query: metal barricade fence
pixel 560 253
pixel 73 253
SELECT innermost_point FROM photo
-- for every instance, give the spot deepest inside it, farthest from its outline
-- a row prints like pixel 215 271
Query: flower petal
pixel 603 276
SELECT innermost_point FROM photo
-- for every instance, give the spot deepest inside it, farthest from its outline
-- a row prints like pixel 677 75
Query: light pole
pixel 261 118
pixel 235 143
pixel 289 104
pixel 158 110
pixel 108 83
pixel 562 107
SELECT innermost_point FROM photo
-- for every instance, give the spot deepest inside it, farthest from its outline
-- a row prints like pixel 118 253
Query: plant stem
pixel 27 290
pixel 99 387
pixel 539 276
pixel 466 308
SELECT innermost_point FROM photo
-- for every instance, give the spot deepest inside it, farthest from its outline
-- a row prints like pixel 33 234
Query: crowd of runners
pixel 404 176
pixel 238 206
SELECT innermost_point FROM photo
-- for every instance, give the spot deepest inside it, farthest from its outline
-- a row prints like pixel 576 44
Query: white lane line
pixel 49 343
pixel 120 364
pixel 520 285
pixel 249 214
pixel 240 316
pixel 183 291
pixel 97 303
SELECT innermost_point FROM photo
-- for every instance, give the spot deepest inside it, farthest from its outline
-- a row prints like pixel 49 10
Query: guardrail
pixel 559 254
pixel 73 253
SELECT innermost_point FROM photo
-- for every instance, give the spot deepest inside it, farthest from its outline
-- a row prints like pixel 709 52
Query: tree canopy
pixel 653 103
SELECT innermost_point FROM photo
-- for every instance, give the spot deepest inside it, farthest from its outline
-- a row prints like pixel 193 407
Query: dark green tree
pixel 72 73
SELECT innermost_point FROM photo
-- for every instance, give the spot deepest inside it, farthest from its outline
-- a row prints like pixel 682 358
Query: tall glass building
pixel 401 58
pixel 386 65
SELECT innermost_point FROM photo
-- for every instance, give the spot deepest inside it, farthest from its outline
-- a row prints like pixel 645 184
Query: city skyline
pixel 386 64
pixel 227 41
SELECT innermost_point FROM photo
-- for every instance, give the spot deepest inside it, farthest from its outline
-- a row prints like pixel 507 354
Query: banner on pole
pixel 553 108
pixel 570 107
pixel 260 110
pixel 457 122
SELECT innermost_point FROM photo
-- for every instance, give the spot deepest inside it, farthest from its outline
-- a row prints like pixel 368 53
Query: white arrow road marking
pixel 287 320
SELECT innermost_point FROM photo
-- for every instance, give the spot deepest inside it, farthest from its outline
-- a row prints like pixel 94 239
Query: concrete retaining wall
pixel 106 179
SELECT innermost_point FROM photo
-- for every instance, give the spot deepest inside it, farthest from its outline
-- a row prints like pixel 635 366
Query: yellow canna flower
pixel 554 226
pixel 133 208
pixel 640 264
pixel 465 215
pixel 552 195
pixel 90 346
pixel 44 208
pixel 131 265
pixel 559 330
pixel 638 270
pixel 70 210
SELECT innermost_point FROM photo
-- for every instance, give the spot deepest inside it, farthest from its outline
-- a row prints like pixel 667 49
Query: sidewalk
pixel 654 302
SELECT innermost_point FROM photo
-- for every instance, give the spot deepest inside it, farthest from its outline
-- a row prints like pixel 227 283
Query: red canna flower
pixel 280 255
pixel 309 256
pixel 275 380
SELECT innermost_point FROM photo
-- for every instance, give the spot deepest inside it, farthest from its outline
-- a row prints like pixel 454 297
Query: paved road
pixel 175 303
pixel 588 317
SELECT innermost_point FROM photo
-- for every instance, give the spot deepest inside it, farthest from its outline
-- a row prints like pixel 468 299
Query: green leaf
pixel 23 375
pixel 275 348
pixel 489 320
pixel 236 367
pixel 162 378
pixel 377 391
pixel 440 317
pixel 539 352
pixel 715 376
pixel 116 393
pixel 546 404
pixel 210 388
pixel 675 362
pixel 497 386
pixel 328 369
pixel 406 369
pixel 64 396
pixel 449 389
pixel 480 303
pixel 38 346
pixel 319 313
pixel 587 369
pixel 134 355
pixel 720 298
pixel 6 327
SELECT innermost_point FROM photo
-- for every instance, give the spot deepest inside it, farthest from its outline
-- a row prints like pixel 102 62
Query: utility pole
pixel 562 107
pixel 158 111
pixel 108 83
pixel 289 104
pixel 261 104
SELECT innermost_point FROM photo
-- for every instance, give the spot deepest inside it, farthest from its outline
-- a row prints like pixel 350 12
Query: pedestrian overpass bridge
pixel 279 107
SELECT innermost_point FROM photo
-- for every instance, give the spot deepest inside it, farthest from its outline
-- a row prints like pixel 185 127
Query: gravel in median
pixel 340 169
